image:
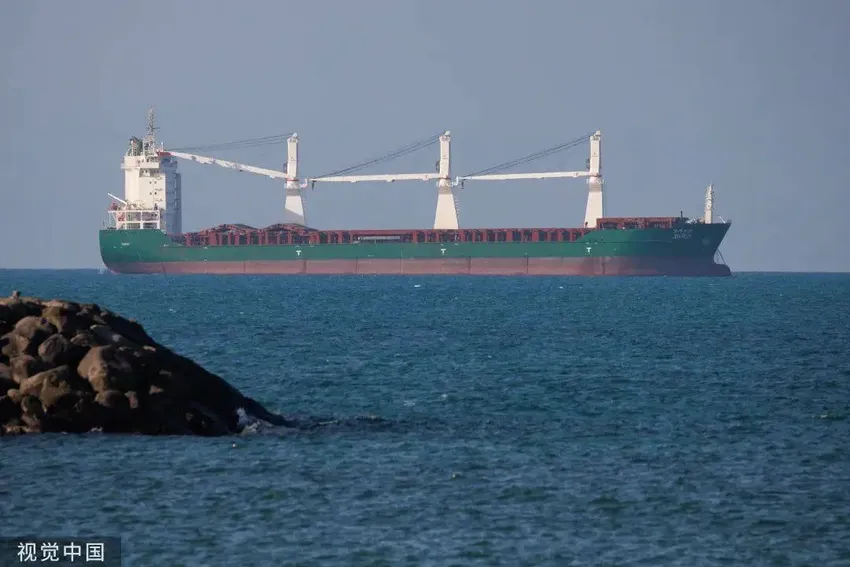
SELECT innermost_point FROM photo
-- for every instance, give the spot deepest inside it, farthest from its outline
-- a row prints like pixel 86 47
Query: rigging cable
pixel 403 150
pixel 247 143
pixel 532 157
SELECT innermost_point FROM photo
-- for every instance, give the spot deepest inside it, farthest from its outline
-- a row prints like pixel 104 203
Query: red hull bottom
pixel 597 266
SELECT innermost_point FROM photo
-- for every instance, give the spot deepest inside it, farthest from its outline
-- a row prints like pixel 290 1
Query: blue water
pixel 528 421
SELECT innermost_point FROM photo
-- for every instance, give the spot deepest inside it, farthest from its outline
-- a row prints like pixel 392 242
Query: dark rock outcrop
pixel 72 367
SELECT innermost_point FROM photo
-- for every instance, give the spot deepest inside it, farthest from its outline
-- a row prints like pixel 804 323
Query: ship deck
pixel 245 235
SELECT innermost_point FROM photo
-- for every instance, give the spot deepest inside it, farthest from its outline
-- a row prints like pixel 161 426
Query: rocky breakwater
pixel 72 367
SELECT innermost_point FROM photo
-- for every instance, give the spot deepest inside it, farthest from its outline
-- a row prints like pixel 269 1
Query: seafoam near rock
pixel 76 367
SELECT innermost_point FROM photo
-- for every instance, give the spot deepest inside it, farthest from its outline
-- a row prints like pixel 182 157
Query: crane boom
pixel 513 176
pixel 389 178
pixel 274 174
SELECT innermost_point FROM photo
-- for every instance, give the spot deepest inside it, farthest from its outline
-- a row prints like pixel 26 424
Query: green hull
pixel 686 249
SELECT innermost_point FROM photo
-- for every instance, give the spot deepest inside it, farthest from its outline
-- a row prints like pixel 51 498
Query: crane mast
pixel 708 215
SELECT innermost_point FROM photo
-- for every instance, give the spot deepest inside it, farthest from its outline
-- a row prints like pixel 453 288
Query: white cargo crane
pixel 446 215
pixel 594 209
pixel 294 203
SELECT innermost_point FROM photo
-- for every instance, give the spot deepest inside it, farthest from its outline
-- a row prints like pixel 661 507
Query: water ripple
pixel 531 421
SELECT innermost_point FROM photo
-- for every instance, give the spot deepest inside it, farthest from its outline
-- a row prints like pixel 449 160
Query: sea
pixel 469 421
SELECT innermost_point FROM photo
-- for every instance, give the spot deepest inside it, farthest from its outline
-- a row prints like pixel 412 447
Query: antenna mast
pixel 149 142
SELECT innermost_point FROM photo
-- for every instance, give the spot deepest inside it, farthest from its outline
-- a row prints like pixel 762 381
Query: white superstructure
pixel 152 187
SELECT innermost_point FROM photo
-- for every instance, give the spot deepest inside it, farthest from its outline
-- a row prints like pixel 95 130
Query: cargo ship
pixel 143 233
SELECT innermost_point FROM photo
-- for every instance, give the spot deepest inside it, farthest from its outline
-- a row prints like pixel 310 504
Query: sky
pixel 753 96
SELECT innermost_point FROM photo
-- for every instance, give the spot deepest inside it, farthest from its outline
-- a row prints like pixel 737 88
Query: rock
pixel 84 339
pixel 90 314
pixel 9 409
pixel 128 328
pixel 114 400
pixel 6 381
pixel 32 327
pixel 107 336
pixel 18 308
pixel 109 368
pixel 84 413
pixel 73 367
pixel 63 306
pixel 57 350
pixel 14 395
pixel 32 386
pixel 133 400
pixel 16 427
pixel 201 421
pixel 5 341
pixel 9 345
pixel 28 334
pixel 60 388
pixel 63 320
pixel 114 411
pixel 23 366
pixel 32 413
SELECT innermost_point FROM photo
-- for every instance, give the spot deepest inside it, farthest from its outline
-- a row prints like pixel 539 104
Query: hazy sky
pixel 753 95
